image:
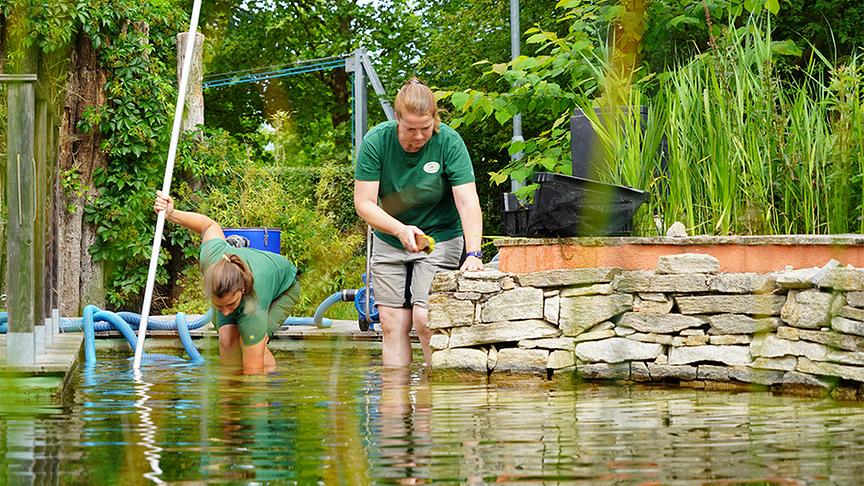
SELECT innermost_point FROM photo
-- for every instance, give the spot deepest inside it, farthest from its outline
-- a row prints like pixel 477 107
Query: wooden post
pixel 194 115
pixel 20 194
pixel 40 157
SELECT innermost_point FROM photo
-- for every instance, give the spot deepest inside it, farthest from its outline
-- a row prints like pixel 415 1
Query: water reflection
pixel 329 417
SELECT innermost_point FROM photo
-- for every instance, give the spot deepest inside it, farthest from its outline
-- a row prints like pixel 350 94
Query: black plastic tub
pixel 574 206
pixel 514 216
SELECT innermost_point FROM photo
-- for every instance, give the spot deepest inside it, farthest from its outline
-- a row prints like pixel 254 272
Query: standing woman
pixel 414 178
pixel 250 291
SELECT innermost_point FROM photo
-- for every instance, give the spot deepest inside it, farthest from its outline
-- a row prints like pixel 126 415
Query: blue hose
pixel 118 322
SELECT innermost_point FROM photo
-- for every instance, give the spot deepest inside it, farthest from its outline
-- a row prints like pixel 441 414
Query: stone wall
pixel 683 322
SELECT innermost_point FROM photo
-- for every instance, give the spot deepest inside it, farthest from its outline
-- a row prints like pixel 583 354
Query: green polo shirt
pixel 273 274
pixel 416 188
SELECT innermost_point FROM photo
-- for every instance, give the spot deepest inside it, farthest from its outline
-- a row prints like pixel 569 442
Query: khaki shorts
pixel 391 267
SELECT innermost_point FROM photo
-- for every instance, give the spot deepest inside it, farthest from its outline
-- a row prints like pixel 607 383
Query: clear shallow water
pixel 331 415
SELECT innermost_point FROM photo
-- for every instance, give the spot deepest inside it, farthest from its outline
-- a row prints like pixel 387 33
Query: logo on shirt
pixel 431 167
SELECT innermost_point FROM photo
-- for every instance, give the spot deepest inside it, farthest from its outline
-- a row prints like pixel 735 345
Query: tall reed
pixel 748 152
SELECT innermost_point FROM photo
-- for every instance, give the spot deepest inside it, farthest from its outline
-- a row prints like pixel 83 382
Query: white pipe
pixel 166 184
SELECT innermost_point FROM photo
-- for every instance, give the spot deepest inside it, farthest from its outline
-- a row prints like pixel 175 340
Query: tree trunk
pixel 81 279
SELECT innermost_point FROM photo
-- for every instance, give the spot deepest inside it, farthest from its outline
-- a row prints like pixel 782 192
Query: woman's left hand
pixel 472 264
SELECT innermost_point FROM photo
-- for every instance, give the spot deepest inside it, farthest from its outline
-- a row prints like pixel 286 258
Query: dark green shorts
pixel 281 306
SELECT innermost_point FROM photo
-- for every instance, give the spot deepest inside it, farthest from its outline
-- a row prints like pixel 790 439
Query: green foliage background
pixel 279 153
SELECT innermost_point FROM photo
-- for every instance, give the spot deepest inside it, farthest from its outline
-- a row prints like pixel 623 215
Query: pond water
pixel 332 415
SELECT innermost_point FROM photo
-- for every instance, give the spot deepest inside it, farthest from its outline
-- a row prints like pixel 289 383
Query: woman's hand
pixel 472 264
pixel 163 202
pixel 408 237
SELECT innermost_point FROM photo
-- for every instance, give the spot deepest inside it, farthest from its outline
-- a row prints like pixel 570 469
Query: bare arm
pixel 253 358
pixel 199 223
pixel 366 205
pixel 468 205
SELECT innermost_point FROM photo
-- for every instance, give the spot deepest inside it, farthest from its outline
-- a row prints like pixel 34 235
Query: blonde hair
pixel 416 98
pixel 228 275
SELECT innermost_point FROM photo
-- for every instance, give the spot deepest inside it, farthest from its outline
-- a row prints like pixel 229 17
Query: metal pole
pixel 166 185
pixel 360 121
pixel 21 198
pixel 514 53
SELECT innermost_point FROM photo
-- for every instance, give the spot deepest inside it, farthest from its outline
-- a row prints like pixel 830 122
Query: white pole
pixel 166 184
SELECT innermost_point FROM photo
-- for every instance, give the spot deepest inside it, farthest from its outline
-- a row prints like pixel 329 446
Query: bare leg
pixel 229 346
pixel 421 319
pixel 396 346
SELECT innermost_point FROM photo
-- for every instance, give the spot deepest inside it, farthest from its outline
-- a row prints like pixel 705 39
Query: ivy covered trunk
pixel 80 278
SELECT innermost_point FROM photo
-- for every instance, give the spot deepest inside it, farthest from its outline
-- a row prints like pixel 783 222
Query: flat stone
pixel 593 336
pixel 474 296
pixel 741 324
pixel 444 282
pixel 604 371
pixel 484 275
pixel 567 278
pixel 446 311
pixel 847 326
pixel 659 323
pixel 729 339
pixel 616 350
pixel 854 373
pixel 786 363
pixel 741 283
pixel 500 332
pixel 851 313
pixel 639 371
pixel 730 355
pixel 624 331
pixel 644 281
pixel 551 309
pixel 596 289
pixel 692 332
pixel 687 263
pixel 740 373
pixel 833 339
pixel 492 358
pixel 462 359
pixel 664 372
pixel 843 279
pixel 690 340
pixel 855 299
pixel 439 340
pixel 577 314
pixel 651 338
pixel 652 306
pixel 846 357
pixel 808 309
pixel 508 283
pixel 517 360
pixel 802 278
pixel 479 286
pixel 560 359
pixel 513 305
pixel 802 379
pixel 566 344
pixel 773 347
pixel 789 333
pixel 751 304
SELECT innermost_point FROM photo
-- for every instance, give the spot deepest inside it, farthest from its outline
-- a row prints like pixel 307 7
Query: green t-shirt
pixel 273 274
pixel 416 188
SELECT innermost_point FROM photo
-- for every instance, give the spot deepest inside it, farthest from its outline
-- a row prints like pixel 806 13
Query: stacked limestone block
pixel 684 321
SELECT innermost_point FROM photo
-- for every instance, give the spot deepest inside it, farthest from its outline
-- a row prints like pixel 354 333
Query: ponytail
pixel 228 275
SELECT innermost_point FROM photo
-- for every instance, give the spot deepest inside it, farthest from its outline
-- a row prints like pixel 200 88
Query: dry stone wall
pixel 684 322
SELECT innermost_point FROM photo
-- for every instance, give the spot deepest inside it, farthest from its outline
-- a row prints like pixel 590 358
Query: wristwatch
pixel 478 254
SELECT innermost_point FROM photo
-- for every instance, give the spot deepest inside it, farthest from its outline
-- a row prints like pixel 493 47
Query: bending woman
pixel 250 291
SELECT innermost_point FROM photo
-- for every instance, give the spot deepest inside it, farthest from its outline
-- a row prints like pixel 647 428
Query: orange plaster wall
pixel 733 258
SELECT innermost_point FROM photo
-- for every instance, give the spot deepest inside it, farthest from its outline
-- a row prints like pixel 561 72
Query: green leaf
pixel 773 6
pixel 498 178
pixel 459 99
pixel 502 116
pixel 536 39
pixel 515 147
pixel 499 68
pixel 786 48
